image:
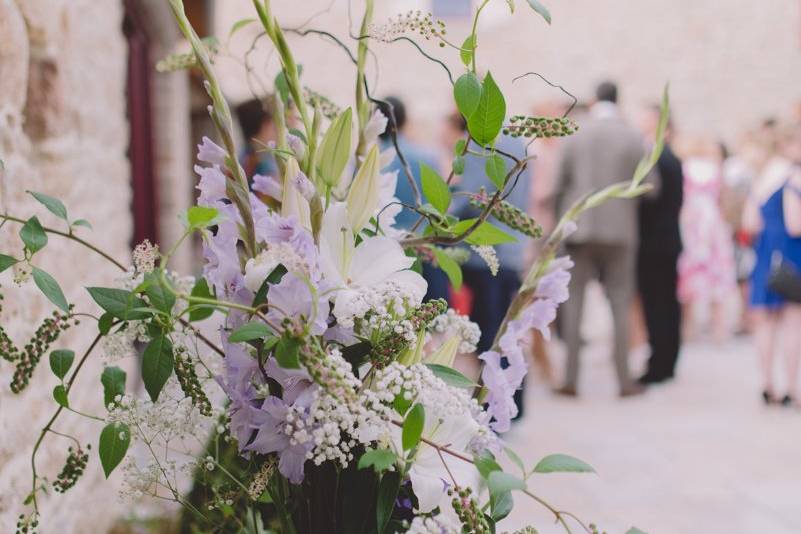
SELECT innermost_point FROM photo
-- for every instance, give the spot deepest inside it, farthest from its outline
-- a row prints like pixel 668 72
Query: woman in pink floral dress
pixel 707 273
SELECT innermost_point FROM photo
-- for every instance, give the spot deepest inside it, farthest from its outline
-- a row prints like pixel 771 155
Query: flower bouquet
pixel 303 381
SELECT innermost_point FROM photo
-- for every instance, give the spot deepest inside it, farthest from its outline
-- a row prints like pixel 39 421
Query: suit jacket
pixel 659 216
pixel 606 150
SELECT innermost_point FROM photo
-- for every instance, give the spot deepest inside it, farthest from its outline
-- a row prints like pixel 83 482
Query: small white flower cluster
pixel 259 268
pixel 173 417
pixel 22 272
pixel 453 323
pixel 487 253
pixel 433 525
pixel 332 424
pixel 120 344
pixel 419 384
pixel 144 256
pixel 139 481
pixel 377 307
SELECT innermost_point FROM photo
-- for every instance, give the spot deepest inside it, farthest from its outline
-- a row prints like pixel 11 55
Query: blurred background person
pixel 493 278
pixel 605 151
pixel 415 155
pixel 658 256
pixel 256 120
pixel 772 215
pixel 739 172
pixel 706 265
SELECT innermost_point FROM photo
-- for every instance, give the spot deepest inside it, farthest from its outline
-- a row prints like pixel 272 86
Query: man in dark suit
pixel 657 259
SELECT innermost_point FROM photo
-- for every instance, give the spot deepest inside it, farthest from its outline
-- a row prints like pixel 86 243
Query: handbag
pixel 785 280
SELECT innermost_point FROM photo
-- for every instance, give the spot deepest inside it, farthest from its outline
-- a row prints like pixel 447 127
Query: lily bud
pixel 293 204
pixel 363 195
pixel 335 149
pixel 446 353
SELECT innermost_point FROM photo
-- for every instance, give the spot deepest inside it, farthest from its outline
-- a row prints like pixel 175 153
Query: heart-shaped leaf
pixel 61 361
pixel 114 441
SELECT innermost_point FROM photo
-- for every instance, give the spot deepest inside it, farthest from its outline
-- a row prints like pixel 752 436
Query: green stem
pixel 68 235
pixel 473 33
pixel 362 103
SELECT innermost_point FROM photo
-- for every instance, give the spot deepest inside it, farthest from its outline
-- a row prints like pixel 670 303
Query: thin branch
pixel 557 86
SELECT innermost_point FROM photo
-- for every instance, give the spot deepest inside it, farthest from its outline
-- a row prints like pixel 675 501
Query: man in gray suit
pixel 606 150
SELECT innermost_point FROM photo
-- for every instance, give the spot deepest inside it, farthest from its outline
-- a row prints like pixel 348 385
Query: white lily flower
pixel 353 268
pixel 428 474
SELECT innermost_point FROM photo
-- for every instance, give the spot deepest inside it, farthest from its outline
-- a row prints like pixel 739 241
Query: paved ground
pixel 700 455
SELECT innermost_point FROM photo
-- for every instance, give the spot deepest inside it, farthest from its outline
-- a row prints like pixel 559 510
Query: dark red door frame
pixel 140 118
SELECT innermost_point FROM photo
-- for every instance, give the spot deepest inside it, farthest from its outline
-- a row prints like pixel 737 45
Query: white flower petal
pixel 376 259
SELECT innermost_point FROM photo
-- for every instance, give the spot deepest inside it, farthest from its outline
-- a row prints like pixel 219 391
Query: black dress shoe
pixel 787 400
pixel 768 397
pixel 649 378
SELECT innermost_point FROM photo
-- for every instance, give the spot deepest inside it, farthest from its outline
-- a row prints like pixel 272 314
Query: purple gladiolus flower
pixel 291 297
pixel 210 152
pixel 267 185
pixel 271 438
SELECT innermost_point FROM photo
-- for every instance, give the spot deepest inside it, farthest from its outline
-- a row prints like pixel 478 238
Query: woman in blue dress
pixel 773 216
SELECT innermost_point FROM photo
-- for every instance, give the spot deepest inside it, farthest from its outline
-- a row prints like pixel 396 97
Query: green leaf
pixel 60 394
pixel 413 427
pixel 33 235
pixel 113 380
pixel 378 459
pixel 516 460
pixel 160 297
pixel 449 266
pixel 157 362
pixel 485 234
pixel 82 222
pixel 55 206
pixel 540 9
pixel 459 147
pixel 458 165
pixel 201 290
pixel 511 5
pixel 467 93
pixel 635 530
pixel 485 464
pixel 486 122
pixel 468 49
pixel 119 302
pixel 287 351
pixel 335 148
pixel 451 376
pixel 114 441
pixel 499 482
pixel 562 463
pixel 105 323
pixel 238 25
pixel 249 332
pixel 201 216
pixel 435 188
pixel 387 493
pixel 61 361
pixel 48 285
pixel 495 167
pixel 501 505
pixel 6 262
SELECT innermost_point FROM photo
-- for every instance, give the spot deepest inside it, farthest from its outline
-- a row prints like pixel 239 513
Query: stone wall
pixel 729 62
pixel 63 131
